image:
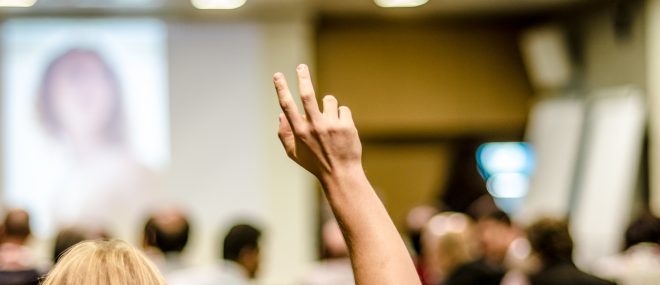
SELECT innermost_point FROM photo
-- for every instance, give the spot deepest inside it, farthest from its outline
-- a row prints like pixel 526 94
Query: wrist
pixel 347 177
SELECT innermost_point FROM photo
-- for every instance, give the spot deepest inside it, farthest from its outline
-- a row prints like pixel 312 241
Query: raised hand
pixel 325 143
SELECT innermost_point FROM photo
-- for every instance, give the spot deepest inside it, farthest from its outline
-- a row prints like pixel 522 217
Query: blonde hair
pixel 448 242
pixel 113 262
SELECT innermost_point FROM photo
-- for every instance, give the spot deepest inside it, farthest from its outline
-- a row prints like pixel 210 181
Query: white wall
pixel 226 159
pixel 612 147
pixel 555 132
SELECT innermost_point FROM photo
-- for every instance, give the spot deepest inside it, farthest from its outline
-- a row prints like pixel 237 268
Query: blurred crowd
pixel 481 247
pixel 486 247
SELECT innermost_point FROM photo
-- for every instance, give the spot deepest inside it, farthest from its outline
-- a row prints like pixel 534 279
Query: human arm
pixel 326 143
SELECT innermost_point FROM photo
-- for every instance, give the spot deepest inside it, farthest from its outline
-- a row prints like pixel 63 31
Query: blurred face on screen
pixel 81 94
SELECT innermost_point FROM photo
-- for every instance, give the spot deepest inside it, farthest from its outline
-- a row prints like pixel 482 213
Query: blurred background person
pixel 504 246
pixel 18 265
pixel 639 263
pixel 416 220
pixel 500 247
pixel 552 243
pixel 14 250
pixel 165 237
pixel 335 266
pixel 67 238
pixel 240 261
pixel 454 257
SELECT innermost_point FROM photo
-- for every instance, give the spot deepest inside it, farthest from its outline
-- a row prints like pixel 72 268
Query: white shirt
pixel 639 265
pixel 225 273
pixel 330 272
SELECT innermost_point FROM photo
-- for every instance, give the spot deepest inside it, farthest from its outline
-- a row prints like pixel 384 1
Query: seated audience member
pixel 505 247
pixel 415 221
pixel 552 243
pixel 165 237
pixel 17 264
pixel 496 238
pixel 100 262
pixel 335 268
pixel 502 242
pixel 241 258
pixel 240 251
pixel 14 254
pixel 639 263
pixel 449 242
pixel 66 239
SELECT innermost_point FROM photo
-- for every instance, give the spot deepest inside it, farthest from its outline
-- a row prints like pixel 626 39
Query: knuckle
pixel 306 97
pixel 321 129
pixel 301 132
pixel 286 105
pixel 334 129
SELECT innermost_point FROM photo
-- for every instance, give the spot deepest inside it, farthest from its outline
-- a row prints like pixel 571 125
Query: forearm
pixel 377 252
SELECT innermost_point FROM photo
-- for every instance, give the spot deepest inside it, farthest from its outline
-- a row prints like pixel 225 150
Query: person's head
pixel 448 240
pixel 17 226
pixel 101 262
pixel 167 230
pixel 496 233
pixel 415 220
pixel 645 229
pixel 66 239
pixel 80 96
pixel 241 245
pixel 551 240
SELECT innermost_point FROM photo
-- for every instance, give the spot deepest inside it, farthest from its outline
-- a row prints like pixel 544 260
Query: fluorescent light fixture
pixel 508 185
pixel 17 3
pixel 400 3
pixel 217 4
pixel 494 158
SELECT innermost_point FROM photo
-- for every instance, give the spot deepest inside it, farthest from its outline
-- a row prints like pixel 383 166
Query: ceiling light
pixel 217 4
pixel 17 3
pixel 400 3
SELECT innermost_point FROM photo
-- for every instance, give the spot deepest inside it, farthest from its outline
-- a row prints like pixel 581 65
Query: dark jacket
pixel 565 273
pixel 475 273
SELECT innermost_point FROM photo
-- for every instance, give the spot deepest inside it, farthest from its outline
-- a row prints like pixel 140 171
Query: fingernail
pixel 277 76
pixel 301 67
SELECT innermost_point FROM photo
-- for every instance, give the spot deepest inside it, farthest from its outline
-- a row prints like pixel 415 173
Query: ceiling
pixel 285 7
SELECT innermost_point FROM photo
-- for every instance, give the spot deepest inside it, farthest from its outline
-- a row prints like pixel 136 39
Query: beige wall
pixel 653 77
pixel 425 78
pixel 406 175
pixel 609 61
pixel 406 81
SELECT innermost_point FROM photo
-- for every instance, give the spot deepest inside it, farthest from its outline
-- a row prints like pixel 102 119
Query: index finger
pixel 286 101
